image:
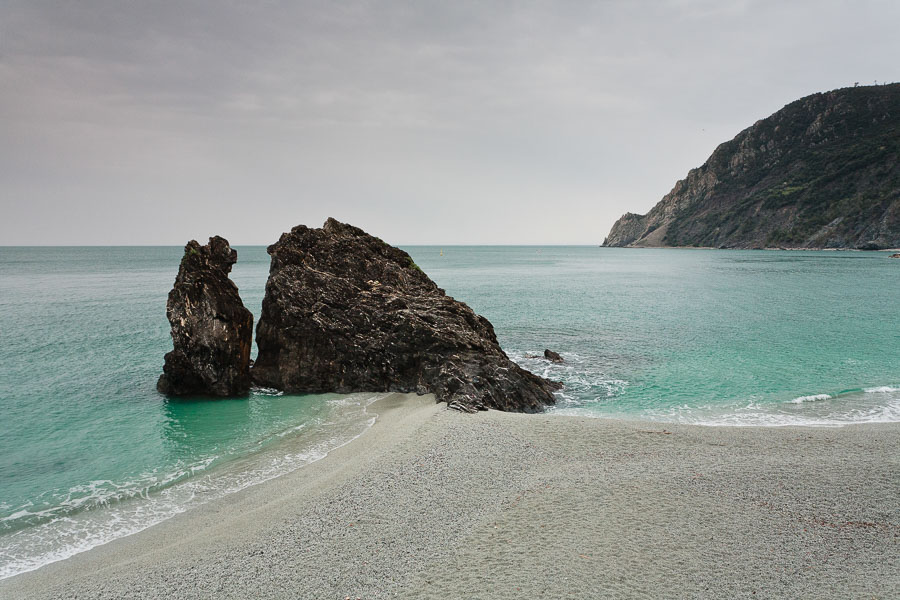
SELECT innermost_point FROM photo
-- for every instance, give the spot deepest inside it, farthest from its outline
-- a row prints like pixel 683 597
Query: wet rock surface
pixel 211 329
pixel 345 312
pixel 552 356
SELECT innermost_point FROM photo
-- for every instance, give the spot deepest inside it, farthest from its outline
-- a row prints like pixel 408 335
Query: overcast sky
pixel 422 122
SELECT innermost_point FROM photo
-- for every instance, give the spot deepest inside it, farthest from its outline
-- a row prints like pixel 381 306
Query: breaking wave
pixel 101 511
pixel 589 391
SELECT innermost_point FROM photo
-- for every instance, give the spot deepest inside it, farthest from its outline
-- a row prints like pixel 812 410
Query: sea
pixel 90 451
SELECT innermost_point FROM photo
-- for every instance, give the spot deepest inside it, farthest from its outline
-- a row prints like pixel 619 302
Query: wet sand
pixel 431 503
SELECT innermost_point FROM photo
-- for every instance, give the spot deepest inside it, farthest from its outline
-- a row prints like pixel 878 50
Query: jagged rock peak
pixel 822 172
pixel 211 330
pixel 345 312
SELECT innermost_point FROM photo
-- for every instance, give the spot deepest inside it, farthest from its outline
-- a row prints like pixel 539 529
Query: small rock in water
pixel 552 356
pixel 895 255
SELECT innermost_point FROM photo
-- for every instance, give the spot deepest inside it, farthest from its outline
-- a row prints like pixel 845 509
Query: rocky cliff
pixel 823 172
pixel 211 329
pixel 344 312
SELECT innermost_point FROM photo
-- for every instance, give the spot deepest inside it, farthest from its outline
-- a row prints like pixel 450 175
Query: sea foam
pixel 101 517
pixel 813 398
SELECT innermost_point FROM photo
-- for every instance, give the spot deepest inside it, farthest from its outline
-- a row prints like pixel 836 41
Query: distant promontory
pixel 822 172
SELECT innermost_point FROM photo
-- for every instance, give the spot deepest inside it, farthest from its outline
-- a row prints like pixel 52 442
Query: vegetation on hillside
pixel 823 172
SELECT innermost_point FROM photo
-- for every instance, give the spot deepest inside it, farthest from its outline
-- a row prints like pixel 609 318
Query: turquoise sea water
pixel 89 451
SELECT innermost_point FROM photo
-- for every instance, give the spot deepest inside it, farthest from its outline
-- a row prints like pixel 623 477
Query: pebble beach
pixel 433 503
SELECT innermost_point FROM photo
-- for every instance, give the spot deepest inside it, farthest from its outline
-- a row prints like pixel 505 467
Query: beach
pixel 433 503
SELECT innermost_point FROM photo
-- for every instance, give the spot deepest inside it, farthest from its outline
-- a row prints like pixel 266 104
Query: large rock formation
pixel 211 329
pixel 823 172
pixel 346 312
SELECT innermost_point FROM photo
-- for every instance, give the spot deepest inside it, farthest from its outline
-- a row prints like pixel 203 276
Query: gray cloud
pixel 424 122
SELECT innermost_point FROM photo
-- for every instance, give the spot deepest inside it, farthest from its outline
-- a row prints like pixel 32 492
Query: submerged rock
pixel 211 329
pixel 895 255
pixel 345 312
pixel 552 356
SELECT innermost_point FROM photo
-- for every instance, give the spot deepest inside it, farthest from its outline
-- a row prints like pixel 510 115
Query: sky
pixel 423 122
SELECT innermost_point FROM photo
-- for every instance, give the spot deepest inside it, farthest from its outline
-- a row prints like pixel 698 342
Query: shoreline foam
pixel 431 503
pixel 68 534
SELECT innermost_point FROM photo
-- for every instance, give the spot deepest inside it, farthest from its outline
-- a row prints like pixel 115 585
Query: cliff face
pixel 211 329
pixel 346 312
pixel 823 172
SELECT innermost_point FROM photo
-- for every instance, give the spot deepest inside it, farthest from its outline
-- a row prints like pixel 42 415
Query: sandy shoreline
pixel 431 503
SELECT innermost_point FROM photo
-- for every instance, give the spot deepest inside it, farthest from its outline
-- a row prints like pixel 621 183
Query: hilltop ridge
pixel 822 172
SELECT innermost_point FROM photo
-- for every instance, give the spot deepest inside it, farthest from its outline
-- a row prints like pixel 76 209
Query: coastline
pixel 767 248
pixel 434 503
